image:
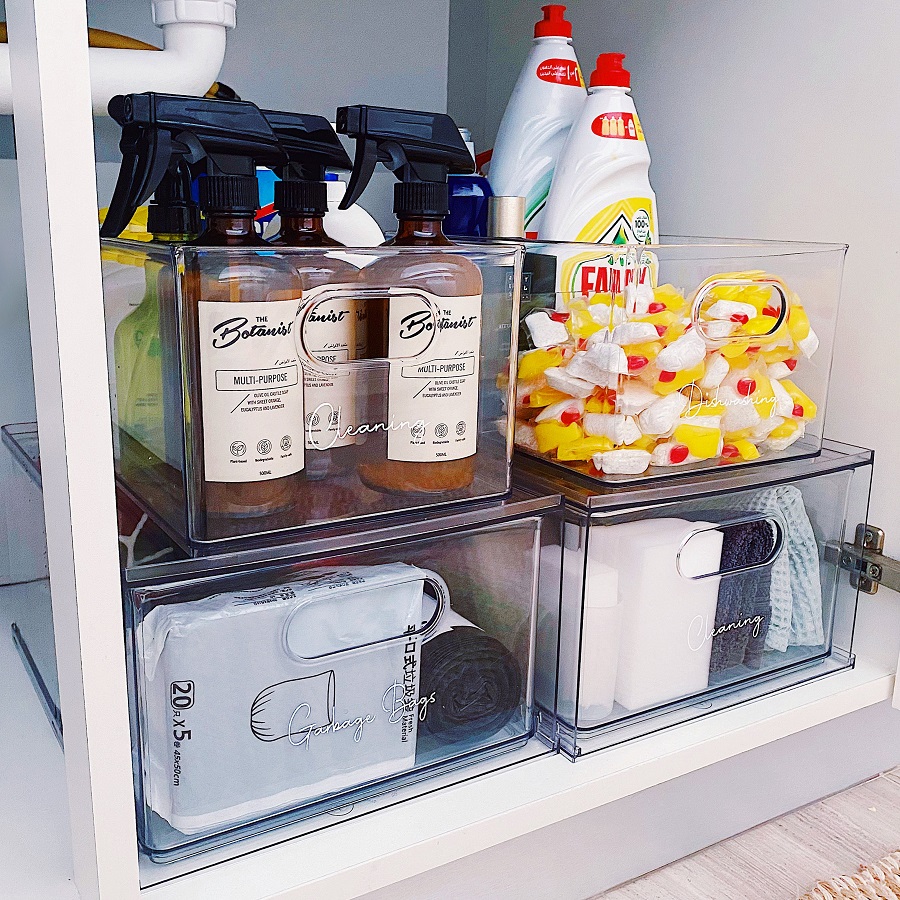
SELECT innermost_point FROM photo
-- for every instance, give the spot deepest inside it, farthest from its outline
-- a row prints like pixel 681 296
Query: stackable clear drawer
pixel 273 687
pixel 682 599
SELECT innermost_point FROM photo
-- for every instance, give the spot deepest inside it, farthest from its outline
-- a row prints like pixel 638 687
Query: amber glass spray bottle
pixel 428 323
pixel 241 308
pixel 333 330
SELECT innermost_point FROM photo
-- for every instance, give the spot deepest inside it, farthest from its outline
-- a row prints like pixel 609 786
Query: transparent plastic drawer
pixel 273 689
pixel 639 362
pixel 259 390
pixel 681 600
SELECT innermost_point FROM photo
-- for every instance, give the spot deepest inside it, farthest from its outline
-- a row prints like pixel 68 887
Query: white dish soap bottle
pixel 601 188
pixel 544 103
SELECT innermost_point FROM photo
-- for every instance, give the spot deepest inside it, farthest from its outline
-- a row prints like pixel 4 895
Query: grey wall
pixel 7 139
pixel 488 43
pixel 314 56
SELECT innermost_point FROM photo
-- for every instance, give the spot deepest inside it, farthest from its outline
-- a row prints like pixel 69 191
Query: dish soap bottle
pixel 545 102
pixel 428 321
pixel 332 329
pixel 601 189
pixel 245 376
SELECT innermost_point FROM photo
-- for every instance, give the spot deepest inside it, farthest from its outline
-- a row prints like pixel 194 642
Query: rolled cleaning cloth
pixel 744 606
pixel 475 681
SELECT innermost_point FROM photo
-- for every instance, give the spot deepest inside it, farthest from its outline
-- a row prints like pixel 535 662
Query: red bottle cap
pixel 609 71
pixel 554 23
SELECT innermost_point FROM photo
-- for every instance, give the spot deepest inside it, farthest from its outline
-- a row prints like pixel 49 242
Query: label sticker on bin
pixel 252 390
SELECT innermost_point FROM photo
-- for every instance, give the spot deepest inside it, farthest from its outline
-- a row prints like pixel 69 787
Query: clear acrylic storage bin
pixel 26 542
pixel 274 687
pixel 257 390
pixel 687 597
pixel 638 362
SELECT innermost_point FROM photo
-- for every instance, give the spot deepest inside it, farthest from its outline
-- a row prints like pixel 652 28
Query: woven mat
pixel 879 881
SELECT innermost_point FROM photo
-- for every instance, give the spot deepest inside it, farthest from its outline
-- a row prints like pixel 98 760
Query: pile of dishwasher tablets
pixel 618 383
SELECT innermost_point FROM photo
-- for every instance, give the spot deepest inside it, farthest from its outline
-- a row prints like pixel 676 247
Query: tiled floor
pixel 781 860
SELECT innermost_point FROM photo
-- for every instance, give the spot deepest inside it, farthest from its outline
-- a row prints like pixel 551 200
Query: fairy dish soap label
pixel 252 387
pixel 433 397
pixel 601 190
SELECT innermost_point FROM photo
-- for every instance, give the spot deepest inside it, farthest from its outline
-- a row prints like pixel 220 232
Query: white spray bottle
pixel 601 188
pixel 544 103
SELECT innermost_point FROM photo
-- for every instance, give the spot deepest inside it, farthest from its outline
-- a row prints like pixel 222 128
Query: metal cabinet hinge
pixel 868 566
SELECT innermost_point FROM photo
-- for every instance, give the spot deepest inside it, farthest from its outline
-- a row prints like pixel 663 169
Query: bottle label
pixel 620 125
pixel 560 71
pixel 252 389
pixel 582 275
pixel 434 344
pixel 332 330
pixel 628 221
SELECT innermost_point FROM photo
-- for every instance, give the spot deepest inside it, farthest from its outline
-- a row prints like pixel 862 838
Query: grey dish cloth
pixel 796 589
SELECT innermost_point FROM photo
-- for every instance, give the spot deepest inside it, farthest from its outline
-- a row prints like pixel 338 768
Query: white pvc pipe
pixel 193 50
pixel 188 64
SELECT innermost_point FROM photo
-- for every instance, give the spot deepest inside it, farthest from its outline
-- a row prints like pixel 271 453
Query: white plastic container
pixel 668 585
pixel 589 636
pixel 601 188
pixel 544 103
pixel 353 227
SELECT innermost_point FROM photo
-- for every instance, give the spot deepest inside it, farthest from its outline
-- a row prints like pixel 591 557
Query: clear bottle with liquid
pixel 148 370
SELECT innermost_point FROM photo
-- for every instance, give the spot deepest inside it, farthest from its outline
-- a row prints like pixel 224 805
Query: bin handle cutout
pixel 431 579
pixel 716 281
pixel 778 532
pixel 420 327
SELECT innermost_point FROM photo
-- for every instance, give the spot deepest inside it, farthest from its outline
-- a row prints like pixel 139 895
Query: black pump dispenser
pixel 420 148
